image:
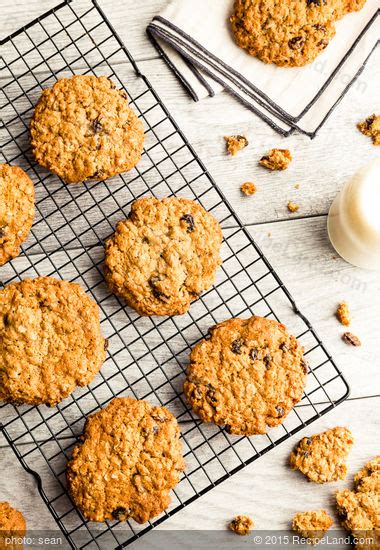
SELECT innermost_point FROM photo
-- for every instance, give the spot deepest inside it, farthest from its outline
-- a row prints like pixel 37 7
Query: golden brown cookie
pixel 12 527
pixel 163 256
pixel 241 525
pixel 16 210
pixel 129 460
pixel 246 375
pixel 83 129
pixel 322 457
pixel 371 128
pixel 287 32
pixel 360 509
pixel 50 340
pixel 312 525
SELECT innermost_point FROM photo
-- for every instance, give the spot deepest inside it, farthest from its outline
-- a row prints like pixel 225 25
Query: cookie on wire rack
pixel 50 340
pixel 84 129
pixel 163 256
pixel 12 527
pixel 16 210
pixel 246 375
pixel 129 459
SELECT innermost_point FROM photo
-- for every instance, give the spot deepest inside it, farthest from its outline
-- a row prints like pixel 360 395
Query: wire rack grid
pixel 147 357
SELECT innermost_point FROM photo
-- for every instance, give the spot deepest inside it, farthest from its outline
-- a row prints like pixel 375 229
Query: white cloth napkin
pixel 195 39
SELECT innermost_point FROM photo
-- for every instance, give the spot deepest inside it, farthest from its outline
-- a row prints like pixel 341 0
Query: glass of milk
pixel 353 222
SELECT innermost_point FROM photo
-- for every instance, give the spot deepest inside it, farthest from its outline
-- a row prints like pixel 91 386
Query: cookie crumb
pixel 322 457
pixel 343 314
pixel 351 339
pixel 312 525
pixel 234 144
pixel 241 525
pixel 276 159
pixel 248 188
pixel 297 186
pixel 269 234
pixel 371 127
pixel 293 207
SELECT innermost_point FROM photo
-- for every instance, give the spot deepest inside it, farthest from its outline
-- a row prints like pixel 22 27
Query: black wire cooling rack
pixel 147 357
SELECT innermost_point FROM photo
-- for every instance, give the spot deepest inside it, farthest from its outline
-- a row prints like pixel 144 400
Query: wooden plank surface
pixel 296 245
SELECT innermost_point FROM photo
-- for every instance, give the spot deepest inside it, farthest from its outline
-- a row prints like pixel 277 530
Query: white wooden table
pixel 299 250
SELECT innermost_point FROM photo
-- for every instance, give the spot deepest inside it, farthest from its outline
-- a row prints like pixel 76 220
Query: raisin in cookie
pixel 360 509
pixel 129 460
pixel 50 340
pixel 247 375
pixel 12 527
pixel 163 256
pixel 83 129
pixel 287 32
pixel 322 457
pixel 312 525
pixel 16 210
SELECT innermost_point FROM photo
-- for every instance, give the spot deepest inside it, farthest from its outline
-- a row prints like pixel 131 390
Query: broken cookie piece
pixel 371 128
pixel 234 144
pixel 322 457
pixel 312 525
pixel 241 525
pixel 359 509
pixel 276 159
pixel 248 188
pixel 343 314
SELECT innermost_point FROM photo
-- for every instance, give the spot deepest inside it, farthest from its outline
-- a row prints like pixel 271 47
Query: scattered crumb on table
pixel 351 339
pixel 297 186
pixel 248 188
pixel 343 314
pixel 241 525
pixel 371 127
pixel 293 207
pixel 234 144
pixel 276 159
